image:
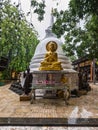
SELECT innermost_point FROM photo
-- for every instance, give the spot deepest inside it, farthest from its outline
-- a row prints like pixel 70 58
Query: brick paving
pixel 85 106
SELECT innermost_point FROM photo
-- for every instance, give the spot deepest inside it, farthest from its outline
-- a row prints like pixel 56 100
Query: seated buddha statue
pixel 50 61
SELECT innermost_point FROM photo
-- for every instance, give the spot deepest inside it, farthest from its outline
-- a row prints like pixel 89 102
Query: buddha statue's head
pixel 51 46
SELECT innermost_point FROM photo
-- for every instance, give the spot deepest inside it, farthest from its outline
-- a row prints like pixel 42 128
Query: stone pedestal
pixel 47 77
pixel 54 78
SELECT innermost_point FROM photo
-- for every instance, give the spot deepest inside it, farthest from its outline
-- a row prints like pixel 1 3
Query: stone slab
pixel 49 122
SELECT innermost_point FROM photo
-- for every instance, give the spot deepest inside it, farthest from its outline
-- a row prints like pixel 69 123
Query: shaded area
pixel 3 63
pixel 26 88
pixel 3 66
pixel 17 88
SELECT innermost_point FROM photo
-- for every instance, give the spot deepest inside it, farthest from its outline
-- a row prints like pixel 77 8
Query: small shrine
pixel 51 69
pixel 49 56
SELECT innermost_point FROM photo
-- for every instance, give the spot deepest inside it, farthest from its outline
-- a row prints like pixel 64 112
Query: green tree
pixel 39 8
pixel 18 40
pixel 79 41
pixel 80 8
pixel 84 40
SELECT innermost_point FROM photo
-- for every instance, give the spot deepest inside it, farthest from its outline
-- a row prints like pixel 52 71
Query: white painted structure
pixel 41 51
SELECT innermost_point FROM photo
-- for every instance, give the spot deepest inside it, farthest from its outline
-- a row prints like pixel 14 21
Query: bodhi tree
pixel 18 39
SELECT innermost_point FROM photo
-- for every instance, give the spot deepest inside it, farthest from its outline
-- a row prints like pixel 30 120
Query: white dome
pixel 41 51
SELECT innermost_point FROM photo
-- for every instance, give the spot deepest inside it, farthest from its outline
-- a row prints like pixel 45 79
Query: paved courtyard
pixel 85 106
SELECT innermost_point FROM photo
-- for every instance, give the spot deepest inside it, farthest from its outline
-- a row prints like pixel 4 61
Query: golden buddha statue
pixel 50 61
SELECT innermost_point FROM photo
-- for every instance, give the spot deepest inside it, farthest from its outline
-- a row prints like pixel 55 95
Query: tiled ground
pixel 83 107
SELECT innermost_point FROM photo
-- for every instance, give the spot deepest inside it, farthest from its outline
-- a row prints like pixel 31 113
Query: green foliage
pixel 64 22
pixel 86 38
pixel 18 40
pixel 79 41
pixel 82 7
pixel 38 8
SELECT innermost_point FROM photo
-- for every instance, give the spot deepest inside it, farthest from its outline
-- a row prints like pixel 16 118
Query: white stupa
pixel 41 51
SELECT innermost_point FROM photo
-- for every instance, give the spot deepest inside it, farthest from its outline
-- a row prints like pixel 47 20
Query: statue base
pixel 50 68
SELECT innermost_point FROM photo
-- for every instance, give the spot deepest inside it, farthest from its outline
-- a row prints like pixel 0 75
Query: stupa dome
pixel 41 51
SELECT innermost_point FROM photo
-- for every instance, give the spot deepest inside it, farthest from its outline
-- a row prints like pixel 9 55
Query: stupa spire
pixel 51 18
pixel 48 31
